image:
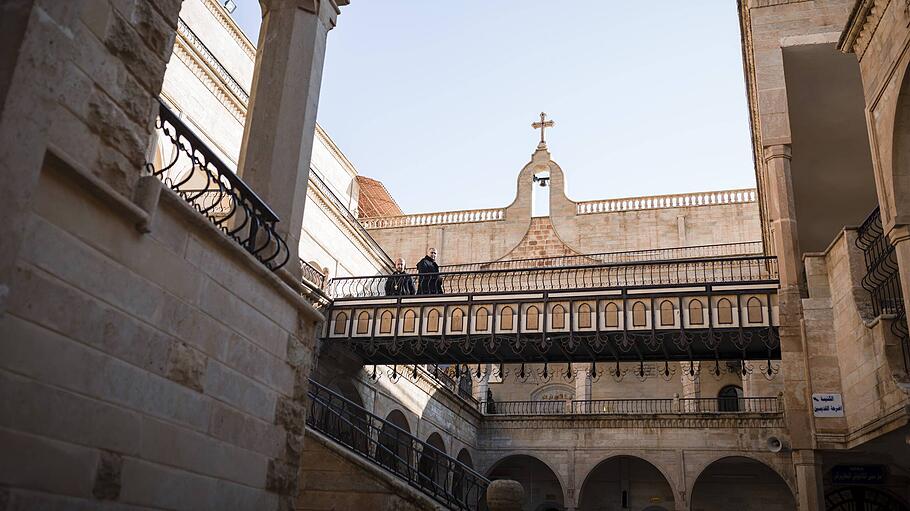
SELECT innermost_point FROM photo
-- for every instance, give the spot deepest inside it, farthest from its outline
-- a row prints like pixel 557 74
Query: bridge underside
pixel 746 343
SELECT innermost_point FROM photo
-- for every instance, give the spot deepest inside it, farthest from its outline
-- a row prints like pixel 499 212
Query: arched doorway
pixel 543 491
pixel 861 498
pixel 730 399
pixel 458 476
pixel 393 447
pixel 743 484
pixel 625 482
pixel 433 473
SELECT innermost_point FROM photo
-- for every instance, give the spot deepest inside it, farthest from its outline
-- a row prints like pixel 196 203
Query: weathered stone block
pixel 107 476
pixel 186 366
pixel 234 388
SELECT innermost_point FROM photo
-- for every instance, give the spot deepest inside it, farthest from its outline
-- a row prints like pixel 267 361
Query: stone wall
pixel 335 478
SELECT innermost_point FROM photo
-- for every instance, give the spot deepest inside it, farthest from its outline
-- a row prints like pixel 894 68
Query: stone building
pixel 188 322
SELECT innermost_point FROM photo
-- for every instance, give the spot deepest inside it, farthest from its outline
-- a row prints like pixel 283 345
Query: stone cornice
pixel 228 23
pixel 336 152
pixel 861 26
pixel 200 68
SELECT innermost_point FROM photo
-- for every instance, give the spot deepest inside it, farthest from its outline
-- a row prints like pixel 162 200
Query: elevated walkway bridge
pixel 659 309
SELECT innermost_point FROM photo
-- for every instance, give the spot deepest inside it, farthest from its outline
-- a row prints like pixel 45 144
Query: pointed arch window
pixel 385 323
pixel 696 312
pixel 341 321
pixel 506 318
pixel 482 319
pixel 558 317
pixel 667 313
pixel 433 320
pixel 724 312
pixel 639 314
pixel 532 318
pixel 611 315
pixel 409 325
pixel 363 322
pixel 457 320
pixel 754 310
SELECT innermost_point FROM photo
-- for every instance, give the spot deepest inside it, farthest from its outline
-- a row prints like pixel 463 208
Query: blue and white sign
pixel 827 405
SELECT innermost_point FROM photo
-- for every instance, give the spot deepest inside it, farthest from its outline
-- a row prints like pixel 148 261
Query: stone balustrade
pixel 445 217
pixel 667 201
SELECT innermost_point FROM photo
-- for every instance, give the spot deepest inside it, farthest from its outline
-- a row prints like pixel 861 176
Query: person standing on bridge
pixel 399 283
pixel 428 281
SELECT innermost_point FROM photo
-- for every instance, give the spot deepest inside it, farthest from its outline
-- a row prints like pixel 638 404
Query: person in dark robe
pixel 399 283
pixel 428 280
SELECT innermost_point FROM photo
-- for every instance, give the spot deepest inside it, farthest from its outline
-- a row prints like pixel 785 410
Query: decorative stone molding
pixel 861 25
pixel 203 71
pixel 228 23
pixel 667 201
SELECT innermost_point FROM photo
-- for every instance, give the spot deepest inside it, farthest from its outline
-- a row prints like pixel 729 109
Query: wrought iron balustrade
pixel 633 406
pixel 445 479
pixel 312 274
pixel 751 269
pixel 657 254
pixel 203 180
pixel 882 279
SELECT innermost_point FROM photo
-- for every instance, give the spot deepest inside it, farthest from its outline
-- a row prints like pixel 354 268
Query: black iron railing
pixel 755 269
pixel 199 176
pixel 634 406
pixel 882 278
pixel 658 254
pixel 312 274
pixel 445 479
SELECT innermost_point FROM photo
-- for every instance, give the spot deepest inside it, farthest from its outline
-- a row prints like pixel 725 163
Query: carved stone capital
pixel 778 151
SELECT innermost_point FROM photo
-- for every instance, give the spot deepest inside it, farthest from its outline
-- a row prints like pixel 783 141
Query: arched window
pixel 611 315
pixel 730 399
pixel 385 323
pixel 584 316
pixel 457 320
pixel 409 325
pixel 433 320
pixel 666 313
pixel 639 314
pixel 506 318
pixel 482 320
pixel 754 310
pixel 558 317
pixel 696 312
pixel 532 318
pixel 724 312
pixel 341 321
pixel 363 322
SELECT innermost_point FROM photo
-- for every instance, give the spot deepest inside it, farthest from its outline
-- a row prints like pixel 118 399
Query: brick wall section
pixel 540 241
pixel 335 478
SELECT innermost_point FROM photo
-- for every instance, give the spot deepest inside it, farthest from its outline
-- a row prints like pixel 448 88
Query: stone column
pixel 281 119
pixel 582 381
pixel 505 495
pixel 809 480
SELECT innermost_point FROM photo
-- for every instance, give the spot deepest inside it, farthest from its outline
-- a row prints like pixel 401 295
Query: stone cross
pixel 543 125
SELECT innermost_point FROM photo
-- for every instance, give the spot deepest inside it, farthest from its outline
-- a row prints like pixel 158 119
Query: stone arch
pixel 742 457
pixel 527 468
pixel 459 475
pixel 605 481
pixel 583 471
pixel 392 444
pixel 430 471
pixel 895 198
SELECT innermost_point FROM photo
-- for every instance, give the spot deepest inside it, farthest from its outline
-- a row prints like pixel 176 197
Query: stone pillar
pixel 582 382
pixel 809 480
pixel 481 387
pixel 281 119
pixel 505 495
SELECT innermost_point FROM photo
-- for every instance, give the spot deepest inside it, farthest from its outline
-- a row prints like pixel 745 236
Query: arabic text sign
pixel 827 405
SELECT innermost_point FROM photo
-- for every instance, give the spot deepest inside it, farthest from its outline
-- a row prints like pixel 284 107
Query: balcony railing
pixel 757 269
pixel 444 217
pixel 657 254
pixel 312 274
pixel 719 405
pixel 667 201
pixel 445 479
pixel 203 180
pixel 882 279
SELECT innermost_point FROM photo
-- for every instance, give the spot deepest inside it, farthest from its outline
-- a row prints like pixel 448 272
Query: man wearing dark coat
pixel 429 284
pixel 399 283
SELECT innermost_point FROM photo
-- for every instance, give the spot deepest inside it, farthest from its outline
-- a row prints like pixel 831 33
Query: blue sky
pixel 436 98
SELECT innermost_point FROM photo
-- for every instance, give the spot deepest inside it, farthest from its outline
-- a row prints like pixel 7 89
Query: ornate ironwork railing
pixel 633 406
pixel 599 276
pixel 312 274
pixel 199 176
pixel 882 278
pixel 657 254
pixel 445 479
